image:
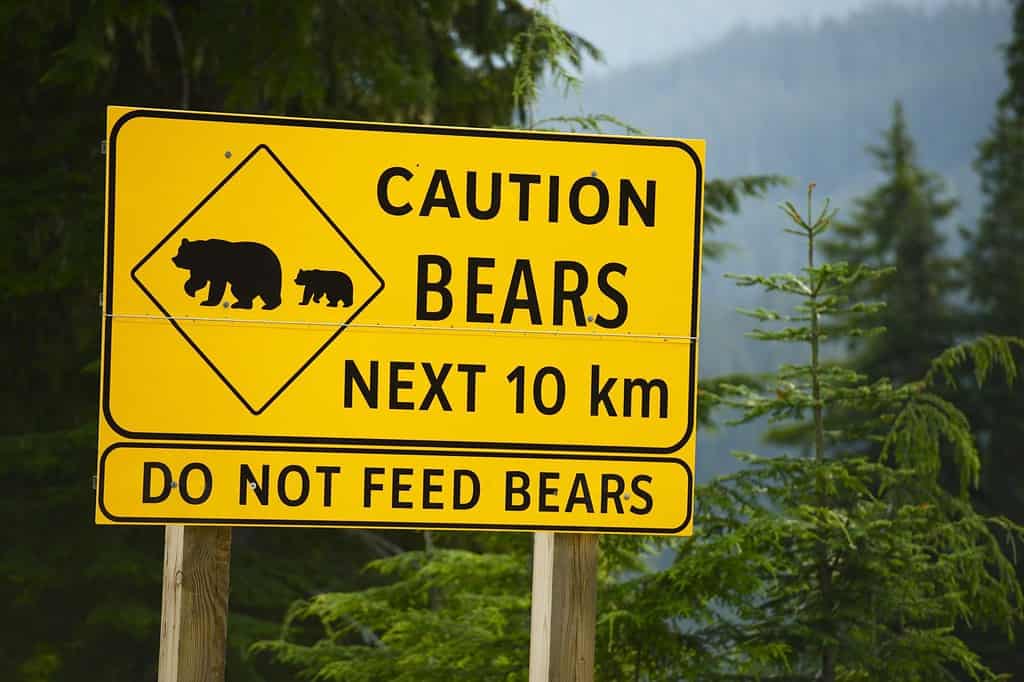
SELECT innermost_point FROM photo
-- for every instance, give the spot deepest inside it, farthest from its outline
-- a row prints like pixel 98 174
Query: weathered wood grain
pixel 564 608
pixel 194 620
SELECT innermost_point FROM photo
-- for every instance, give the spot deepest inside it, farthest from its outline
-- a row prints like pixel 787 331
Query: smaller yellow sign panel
pixel 242 486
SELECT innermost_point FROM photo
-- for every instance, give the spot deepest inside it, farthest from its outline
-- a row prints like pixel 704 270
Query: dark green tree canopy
pixel 994 275
pixel 897 225
pixel 995 281
pixel 83 602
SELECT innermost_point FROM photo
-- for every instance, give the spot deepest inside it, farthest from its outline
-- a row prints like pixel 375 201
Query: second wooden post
pixel 194 616
pixel 563 615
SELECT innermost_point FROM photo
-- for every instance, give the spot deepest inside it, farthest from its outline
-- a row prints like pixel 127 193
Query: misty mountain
pixel 804 101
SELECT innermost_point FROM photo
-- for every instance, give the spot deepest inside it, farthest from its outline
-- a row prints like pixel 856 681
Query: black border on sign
pixel 526 448
pixel 170 318
pixel 101 478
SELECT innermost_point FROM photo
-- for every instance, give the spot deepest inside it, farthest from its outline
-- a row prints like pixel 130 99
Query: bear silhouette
pixel 250 268
pixel 336 286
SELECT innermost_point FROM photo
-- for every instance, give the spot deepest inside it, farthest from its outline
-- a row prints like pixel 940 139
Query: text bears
pixel 549 491
pixel 436 280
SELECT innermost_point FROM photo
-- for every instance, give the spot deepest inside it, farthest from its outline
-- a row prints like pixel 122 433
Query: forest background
pixel 800 101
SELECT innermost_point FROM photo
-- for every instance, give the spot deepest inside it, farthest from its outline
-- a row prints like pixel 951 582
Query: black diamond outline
pixel 170 318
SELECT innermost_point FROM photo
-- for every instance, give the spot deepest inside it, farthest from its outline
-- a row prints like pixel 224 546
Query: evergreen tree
pixel 994 273
pixel 830 564
pixel 896 226
pixel 995 278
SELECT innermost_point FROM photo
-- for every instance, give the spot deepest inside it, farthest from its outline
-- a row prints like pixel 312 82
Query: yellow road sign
pixel 402 297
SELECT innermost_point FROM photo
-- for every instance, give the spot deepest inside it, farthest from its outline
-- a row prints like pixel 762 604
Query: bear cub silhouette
pixel 250 268
pixel 336 286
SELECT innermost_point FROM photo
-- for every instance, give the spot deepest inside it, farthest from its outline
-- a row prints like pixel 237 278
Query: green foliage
pixel 829 564
pixel 983 355
pixel 994 277
pixel 544 48
pixel 445 614
pixel 83 602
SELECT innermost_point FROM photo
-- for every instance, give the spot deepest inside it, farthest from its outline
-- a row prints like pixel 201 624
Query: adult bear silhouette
pixel 251 269
pixel 336 286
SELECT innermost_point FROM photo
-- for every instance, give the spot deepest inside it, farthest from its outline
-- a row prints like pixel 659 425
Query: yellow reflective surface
pixel 478 291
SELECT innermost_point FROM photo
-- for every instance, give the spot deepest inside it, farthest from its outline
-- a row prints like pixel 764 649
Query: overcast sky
pixel 632 31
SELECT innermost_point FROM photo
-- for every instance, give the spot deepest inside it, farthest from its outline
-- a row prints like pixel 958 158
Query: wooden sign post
pixel 564 609
pixel 194 614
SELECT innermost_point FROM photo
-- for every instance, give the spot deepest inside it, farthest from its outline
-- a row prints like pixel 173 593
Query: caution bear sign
pixel 333 323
